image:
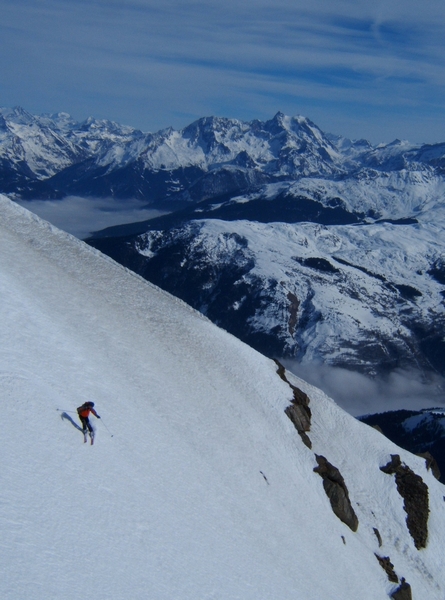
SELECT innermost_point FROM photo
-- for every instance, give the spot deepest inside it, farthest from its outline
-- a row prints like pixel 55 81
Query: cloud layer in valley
pixel 81 216
pixel 359 394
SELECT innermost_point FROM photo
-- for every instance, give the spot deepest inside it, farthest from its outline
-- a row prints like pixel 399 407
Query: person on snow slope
pixel 84 412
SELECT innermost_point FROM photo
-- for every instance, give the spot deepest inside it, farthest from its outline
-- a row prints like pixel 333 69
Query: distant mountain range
pixel 51 156
pixel 301 243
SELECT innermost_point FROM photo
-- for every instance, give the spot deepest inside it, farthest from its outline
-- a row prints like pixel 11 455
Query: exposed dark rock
pixel 298 412
pixel 337 492
pixel 427 437
pixel 431 463
pixel 360 268
pixel 414 492
pixel 301 420
pixel 391 467
pixel 378 536
pixel 294 304
pixel 408 292
pixel 403 592
pixel 388 567
pixel 320 264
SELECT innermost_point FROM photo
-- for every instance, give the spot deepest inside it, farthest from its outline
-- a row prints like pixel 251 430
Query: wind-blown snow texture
pixel 205 489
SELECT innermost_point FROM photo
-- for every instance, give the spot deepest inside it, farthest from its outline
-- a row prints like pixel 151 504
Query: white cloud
pixel 359 394
pixel 81 216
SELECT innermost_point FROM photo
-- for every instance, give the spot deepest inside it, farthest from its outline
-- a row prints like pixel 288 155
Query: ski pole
pixel 67 411
pixel 106 427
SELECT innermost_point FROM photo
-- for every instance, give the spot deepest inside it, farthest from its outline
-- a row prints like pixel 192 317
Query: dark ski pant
pixel 86 424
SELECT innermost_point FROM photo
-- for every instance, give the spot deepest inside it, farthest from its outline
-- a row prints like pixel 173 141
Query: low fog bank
pixel 360 395
pixel 81 216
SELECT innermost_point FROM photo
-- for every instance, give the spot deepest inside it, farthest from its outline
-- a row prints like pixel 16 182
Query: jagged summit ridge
pixel 53 156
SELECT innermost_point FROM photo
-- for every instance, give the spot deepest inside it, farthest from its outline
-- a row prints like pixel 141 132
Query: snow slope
pixel 198 486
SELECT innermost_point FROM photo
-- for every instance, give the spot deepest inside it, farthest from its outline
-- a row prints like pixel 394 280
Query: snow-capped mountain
pixel 215 473
pixel 304 244
pixel 35 149
pixel 346 291
pixel 52 156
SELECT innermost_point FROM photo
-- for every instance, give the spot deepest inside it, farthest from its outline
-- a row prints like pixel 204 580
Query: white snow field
pixel 198 485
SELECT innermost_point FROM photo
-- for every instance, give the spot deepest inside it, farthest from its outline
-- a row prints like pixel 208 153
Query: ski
pixel 85 438
pixel 92 438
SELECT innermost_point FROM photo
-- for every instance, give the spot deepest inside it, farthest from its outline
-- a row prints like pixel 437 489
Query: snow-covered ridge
pixel 369 297
pixel 205 143
pixel 53 156
pixel 198 484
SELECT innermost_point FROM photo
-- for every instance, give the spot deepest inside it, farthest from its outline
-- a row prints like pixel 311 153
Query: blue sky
pixel 361 69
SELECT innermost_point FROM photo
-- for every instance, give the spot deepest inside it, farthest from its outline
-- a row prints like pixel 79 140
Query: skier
pixel 84 412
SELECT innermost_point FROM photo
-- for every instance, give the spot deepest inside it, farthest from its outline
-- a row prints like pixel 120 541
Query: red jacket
pixel 84 411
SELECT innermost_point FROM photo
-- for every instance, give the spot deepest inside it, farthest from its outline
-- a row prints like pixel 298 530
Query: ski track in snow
pixel 171 502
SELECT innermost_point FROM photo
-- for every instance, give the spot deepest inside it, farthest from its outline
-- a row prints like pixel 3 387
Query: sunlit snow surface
pixel 198 485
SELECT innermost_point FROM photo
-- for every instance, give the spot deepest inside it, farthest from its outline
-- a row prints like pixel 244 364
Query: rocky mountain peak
pixel 21 116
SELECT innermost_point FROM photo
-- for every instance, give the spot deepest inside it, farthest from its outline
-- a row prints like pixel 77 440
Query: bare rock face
pixel 403 592
pixel 337 492
pixel 298 412
pixel 431 463
pixel 414 492
pixel 388 567
pixel 301 418
pixel 378 536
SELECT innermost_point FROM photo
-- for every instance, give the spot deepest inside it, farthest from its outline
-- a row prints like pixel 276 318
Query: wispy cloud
pixel 152 64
